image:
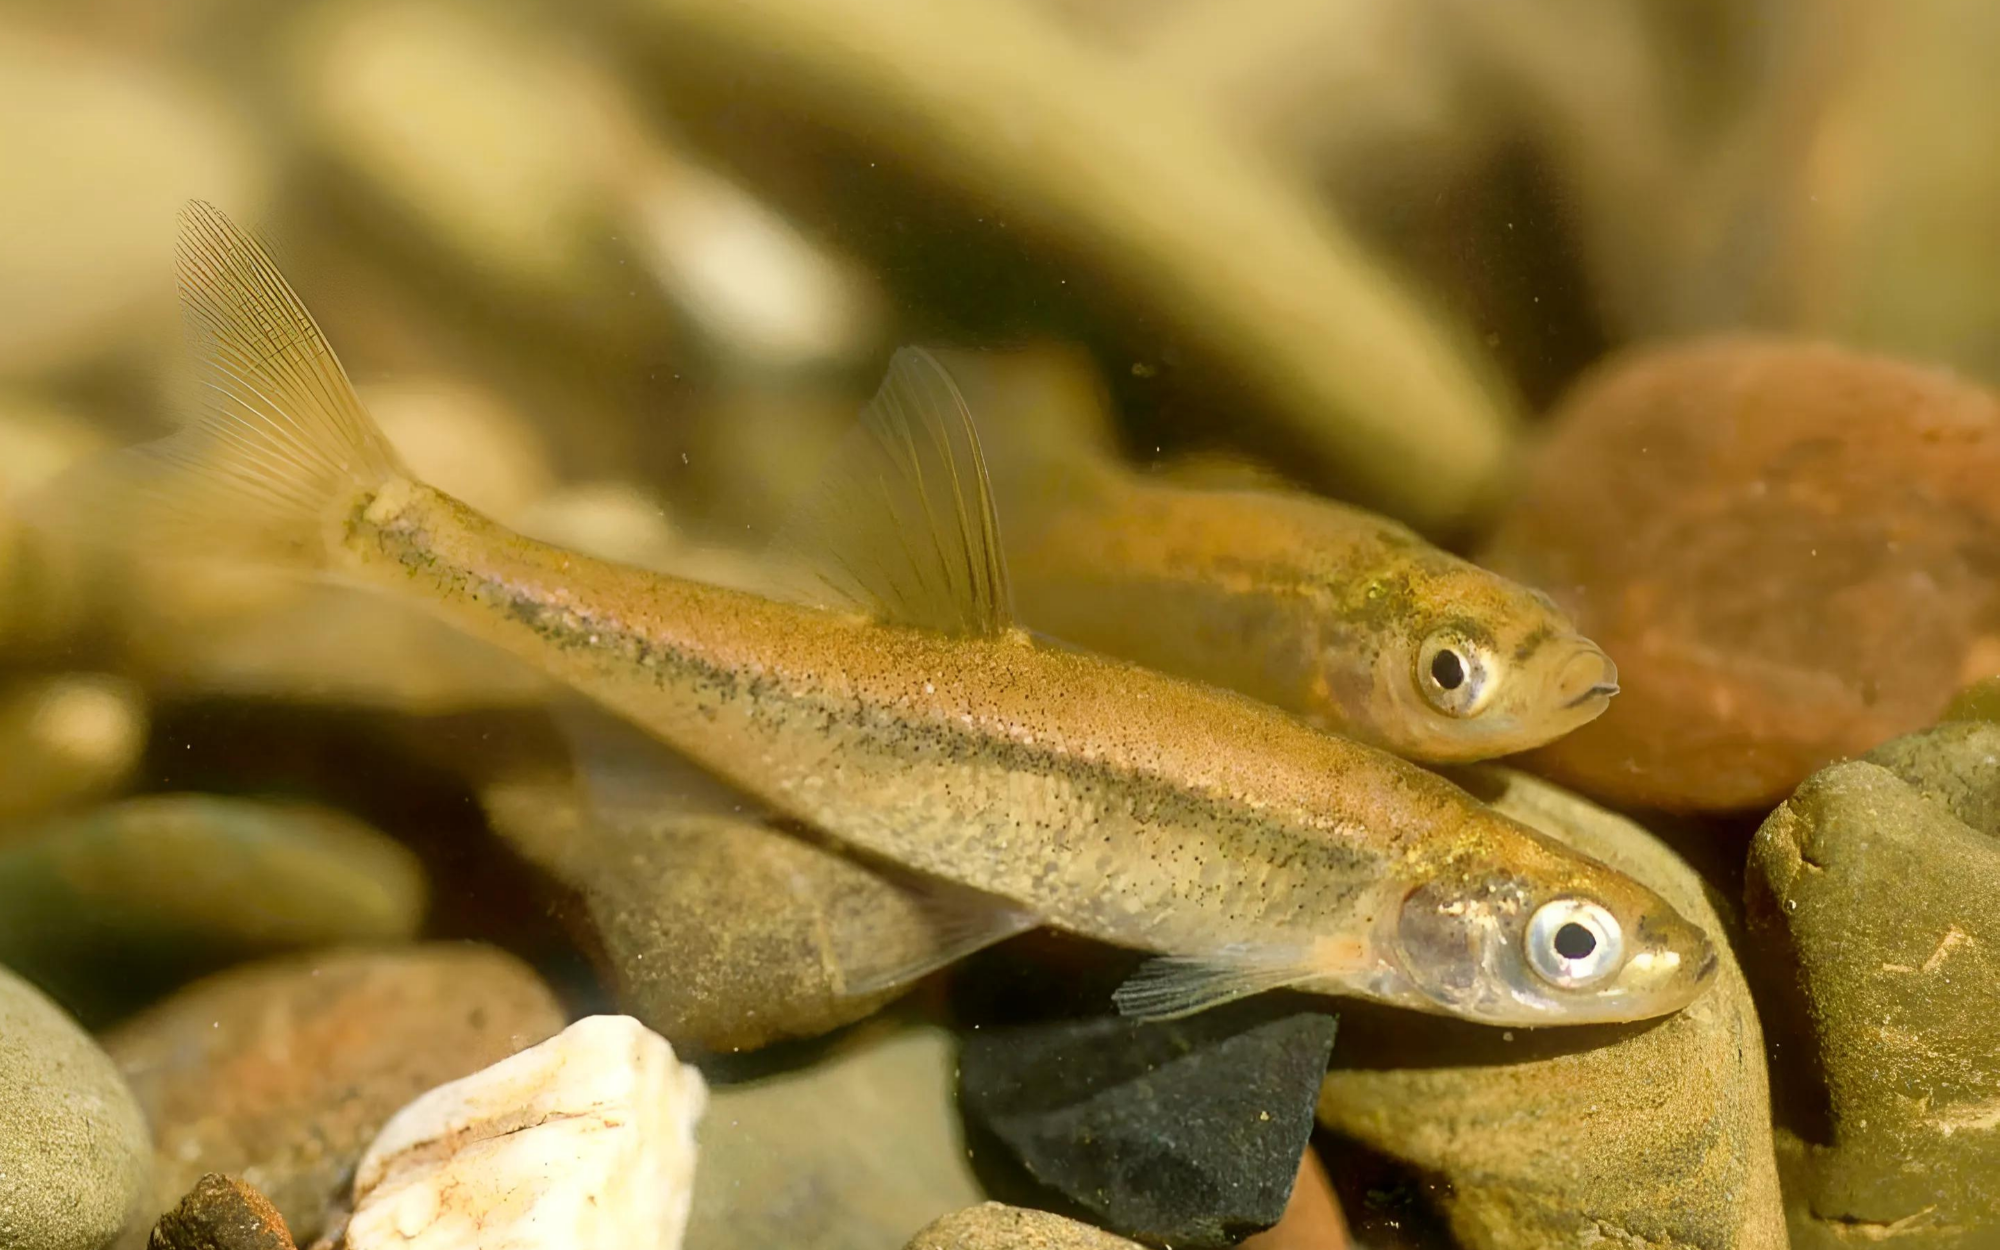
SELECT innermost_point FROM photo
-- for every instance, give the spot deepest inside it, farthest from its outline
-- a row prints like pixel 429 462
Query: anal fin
pixel 961 920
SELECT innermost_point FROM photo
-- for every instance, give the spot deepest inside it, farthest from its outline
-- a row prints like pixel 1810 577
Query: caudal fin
pixel 280 444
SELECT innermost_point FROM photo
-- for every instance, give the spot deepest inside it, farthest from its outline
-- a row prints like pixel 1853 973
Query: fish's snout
pixel 1587 675
pixel 1675 971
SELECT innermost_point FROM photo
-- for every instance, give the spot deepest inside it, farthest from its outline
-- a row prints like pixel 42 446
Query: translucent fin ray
pixel 1173 986
pixel 279 440
pixel 962 921
pixel 903 526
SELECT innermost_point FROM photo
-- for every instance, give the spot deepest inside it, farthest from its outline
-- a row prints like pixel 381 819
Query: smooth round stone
pixel 64 739
pixel 464 440
pixel 851 1153
pixel 103 908
pixel 73 1149
pixel 282 1072
pixel 720 931
pixel 997 1226
pixel 1789 549
pixel 43 589
pixel 100 154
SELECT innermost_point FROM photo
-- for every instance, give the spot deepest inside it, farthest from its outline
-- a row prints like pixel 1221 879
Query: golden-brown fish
pixel 1339 615
pixel 1108 800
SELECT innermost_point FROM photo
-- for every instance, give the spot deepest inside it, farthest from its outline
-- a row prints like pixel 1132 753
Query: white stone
pixel 583 1142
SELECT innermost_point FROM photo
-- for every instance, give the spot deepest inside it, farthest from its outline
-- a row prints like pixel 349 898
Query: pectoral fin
pixel 1173 986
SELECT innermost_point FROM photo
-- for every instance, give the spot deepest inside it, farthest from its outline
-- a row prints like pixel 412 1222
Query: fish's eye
pixel 1454 674
pixel 1574 943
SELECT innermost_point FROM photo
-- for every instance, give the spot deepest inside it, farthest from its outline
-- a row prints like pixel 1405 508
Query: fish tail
pixel 280 448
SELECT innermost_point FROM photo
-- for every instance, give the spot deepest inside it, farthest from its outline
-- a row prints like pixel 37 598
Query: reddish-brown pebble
pixel 1312 1219
pixel 282 1072
pixel 1792 552
pixel 221 1213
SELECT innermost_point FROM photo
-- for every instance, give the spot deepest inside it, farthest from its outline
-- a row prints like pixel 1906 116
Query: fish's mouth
pixel 1590 675
pixel 1602 690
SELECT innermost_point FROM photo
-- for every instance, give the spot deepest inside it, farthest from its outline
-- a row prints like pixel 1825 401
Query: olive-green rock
pixel 850 1153
pixel 997 1226
pixel 718 930
pixel 74 1155
pixel 1650 1135
pixel 1875 889
pixel 106 908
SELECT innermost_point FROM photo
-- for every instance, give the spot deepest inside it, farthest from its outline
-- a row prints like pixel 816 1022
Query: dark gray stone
pixel 1185 1133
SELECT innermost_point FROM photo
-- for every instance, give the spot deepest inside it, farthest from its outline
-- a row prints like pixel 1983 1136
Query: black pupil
pixel 1448 670
pixel 1573 941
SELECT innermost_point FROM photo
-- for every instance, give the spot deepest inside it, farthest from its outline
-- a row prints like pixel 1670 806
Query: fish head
pixel 1506 944
pixel 1496 668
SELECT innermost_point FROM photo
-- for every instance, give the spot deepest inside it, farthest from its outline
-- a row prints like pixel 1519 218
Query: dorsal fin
pixel 902 526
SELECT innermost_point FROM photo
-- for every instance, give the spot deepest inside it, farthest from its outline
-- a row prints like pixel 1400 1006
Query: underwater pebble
pixel 718 931
pixel 64 739
pixel 100 152
pixel 464 440
pixel 44 594
pixel 1787 548
pixel 1978 701
pixel 107 907
pixel 73 1151
pixel 221 1213
pixel 488 140
pixel 997 1226
pixel 1653 1134
pixel 584 1142
pixel 1352 373
pixel 1873 891
pixel 850 1153
pixel 281 1072
pixel 337 645
pixel 1312 1219
pixel 1185 1132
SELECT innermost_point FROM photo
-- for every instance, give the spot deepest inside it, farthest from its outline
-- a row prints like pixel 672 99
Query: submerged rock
pixel 101 151
pixel 108 907
pixel 221 1213
pixel 996 1226
pixel 1230 260
pixel 584 1142
pixel 281 1072
pixel 1980 700
pixel 1656 1133
pixel 1876 888
pixel 73 1153
pixel 1312 1219
pixel 65 739
pixel 720 930
pixel 1186 1132
pixel 45 591
pixel 1787 548
pixel 850 1153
